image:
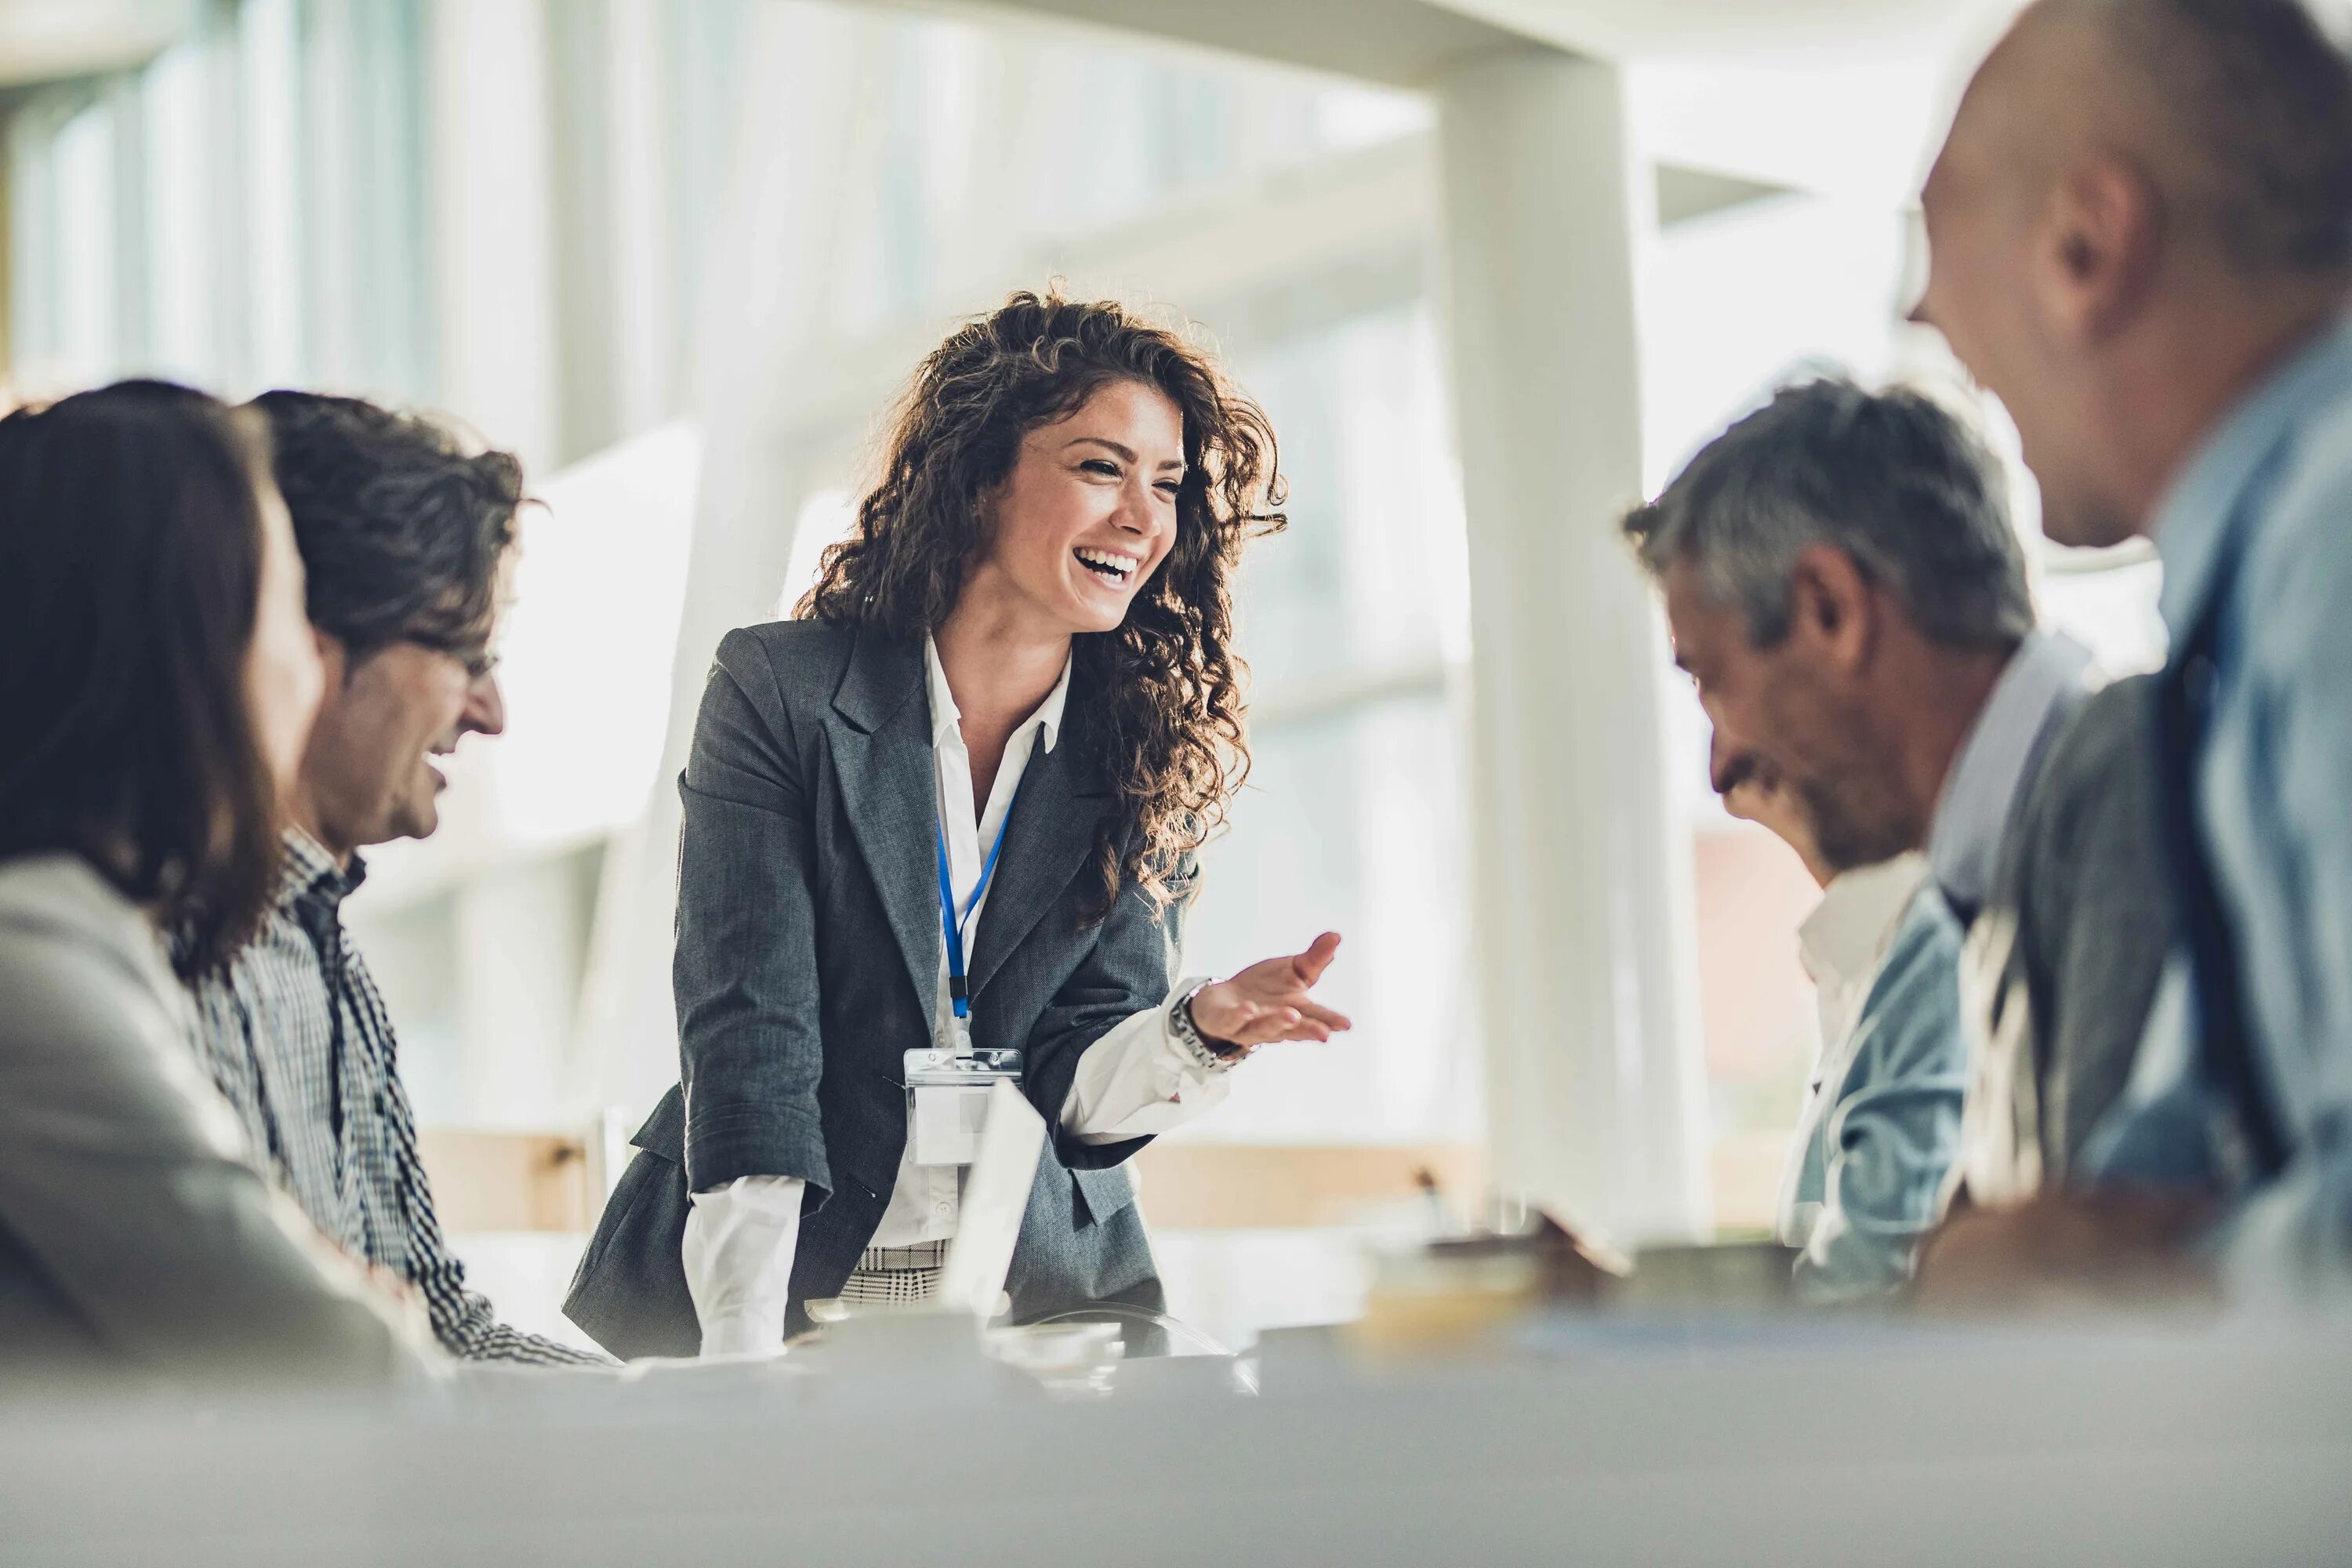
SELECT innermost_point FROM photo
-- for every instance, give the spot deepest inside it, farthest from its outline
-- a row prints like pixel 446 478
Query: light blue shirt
pixel 1883 1128
pixel 2263 517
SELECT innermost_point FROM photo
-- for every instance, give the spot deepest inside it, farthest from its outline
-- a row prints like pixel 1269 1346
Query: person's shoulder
pixel 801 660
pixel 2112 717
pixel 1912 1014
pixel 1922 962
pixel 58 903
pixel 2108 737
pixel 1928 932
pixel 792 642
pixel 2297 569
pixel 95 1023
pixel 2311 501
pixel 2320 449
pixel 2089 821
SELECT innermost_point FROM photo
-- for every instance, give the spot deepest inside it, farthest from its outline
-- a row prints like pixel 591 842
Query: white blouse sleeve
pixel 738 1253
pixel 1139 1080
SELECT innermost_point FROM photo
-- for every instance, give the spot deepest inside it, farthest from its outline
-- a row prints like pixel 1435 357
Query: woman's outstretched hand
pixel 1271 1001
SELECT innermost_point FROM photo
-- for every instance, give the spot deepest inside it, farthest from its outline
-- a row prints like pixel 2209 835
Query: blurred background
pixel 679 255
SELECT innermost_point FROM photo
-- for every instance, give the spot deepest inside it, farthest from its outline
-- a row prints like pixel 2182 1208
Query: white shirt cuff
pixel 738 1256
pixel 1139 1080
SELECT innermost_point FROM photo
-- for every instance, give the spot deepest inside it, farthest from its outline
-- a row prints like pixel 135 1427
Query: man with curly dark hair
pixel 406 531
pixel 1011 693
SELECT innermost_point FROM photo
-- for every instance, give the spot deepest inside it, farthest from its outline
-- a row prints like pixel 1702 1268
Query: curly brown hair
pixel 1171 733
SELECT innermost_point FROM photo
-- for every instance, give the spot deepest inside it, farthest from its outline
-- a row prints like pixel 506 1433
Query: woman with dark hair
pixel 953 808
pixel 157 682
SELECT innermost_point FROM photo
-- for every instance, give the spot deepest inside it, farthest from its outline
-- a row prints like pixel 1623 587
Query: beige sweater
pixel 136 1238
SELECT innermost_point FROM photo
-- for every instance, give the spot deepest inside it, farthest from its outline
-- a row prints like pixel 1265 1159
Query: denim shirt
pixel 1882 1131
pixel 2261 523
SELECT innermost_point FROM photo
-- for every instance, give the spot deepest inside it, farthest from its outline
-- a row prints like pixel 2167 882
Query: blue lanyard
pixel 951 923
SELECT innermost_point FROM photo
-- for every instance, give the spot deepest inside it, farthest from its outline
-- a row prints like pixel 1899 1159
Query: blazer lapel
pixel 881 727
pixel 1046 843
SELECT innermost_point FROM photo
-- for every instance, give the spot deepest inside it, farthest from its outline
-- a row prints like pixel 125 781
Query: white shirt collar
pixel 2042 683
pixel 1843 940
pixel 946 718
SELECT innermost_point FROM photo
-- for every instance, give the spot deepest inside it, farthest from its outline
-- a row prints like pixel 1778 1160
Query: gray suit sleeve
pixel 745 975
pixel 122 1175
pixel 1128 970
pixel 2092 923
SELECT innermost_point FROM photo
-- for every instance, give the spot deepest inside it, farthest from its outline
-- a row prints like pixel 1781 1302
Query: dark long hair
pixel 130 549
pixel 1170 683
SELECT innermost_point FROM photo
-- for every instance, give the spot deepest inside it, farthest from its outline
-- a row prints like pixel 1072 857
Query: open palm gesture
pixel 1271 1001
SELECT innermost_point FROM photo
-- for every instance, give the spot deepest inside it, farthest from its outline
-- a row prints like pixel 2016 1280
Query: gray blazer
pixel 135 1238
pixel 2068 954
pixel 807 964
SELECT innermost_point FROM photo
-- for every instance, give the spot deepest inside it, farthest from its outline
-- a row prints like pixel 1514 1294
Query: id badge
pixel 947 1100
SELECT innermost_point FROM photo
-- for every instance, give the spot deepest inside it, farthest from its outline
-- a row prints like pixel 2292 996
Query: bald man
pixel 2141 237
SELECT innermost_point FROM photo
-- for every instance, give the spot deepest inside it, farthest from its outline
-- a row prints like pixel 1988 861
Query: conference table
pixel 1576 1437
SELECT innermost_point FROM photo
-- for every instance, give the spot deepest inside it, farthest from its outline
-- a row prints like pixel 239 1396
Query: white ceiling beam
pixel 1637 30
pixel 1416 43
pixel 1769 94
pixel 1394 43
pixel 49 40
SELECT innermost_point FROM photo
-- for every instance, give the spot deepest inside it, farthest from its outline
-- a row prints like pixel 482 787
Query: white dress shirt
pixel 1135 1080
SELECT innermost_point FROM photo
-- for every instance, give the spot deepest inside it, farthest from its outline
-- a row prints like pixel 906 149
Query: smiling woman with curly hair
pixel 1158 648
pixel 953 807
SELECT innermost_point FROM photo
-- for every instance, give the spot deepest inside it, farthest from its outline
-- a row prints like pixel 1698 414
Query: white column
pixel 1582 891
pixel 643 212
pixel 613 224
pixel 774 277
pixel 493 225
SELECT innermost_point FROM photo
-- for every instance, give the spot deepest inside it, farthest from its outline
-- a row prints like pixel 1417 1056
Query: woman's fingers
pixel 1268 1001
pixel 1300 972
pixel 1317 957
pixel 1334 1021
pixel 1275 1025
pixel 1298 1001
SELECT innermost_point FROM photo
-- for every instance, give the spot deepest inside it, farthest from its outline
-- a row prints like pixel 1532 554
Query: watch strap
pixel 1196 1046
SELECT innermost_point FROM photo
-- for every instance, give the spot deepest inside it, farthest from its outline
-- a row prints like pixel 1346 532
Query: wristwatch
pixel 1220 1055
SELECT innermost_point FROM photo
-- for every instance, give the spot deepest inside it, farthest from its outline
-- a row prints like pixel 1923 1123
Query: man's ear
pixel 2102 238
pixel 1831 608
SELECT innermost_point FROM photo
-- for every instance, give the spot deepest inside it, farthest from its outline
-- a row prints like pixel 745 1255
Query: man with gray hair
pixel 2141 240
pixel 1844 586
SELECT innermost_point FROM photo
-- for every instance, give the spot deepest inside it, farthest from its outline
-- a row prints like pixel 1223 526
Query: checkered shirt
pixel 296 1035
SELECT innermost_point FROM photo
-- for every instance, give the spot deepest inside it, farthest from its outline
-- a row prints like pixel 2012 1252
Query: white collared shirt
pixel 1134 1082
pixel 1843 940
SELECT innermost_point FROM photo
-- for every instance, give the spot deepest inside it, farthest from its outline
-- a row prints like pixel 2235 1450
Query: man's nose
pixel 1726 762
pixel 485 712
